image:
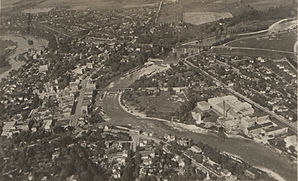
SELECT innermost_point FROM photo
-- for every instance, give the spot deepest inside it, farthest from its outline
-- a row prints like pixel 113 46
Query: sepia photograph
pixel 148 90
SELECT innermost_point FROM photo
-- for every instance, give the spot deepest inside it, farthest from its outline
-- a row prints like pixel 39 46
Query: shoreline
pixel 22 46
pixel 192 128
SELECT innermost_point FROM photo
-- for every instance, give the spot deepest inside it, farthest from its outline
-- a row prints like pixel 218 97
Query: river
pixel 22 47
pixel 254 153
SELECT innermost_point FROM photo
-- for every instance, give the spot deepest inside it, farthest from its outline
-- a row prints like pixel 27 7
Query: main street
pixel 77 114
pixel 251 152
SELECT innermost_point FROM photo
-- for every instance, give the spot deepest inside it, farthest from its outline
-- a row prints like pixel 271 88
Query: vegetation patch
pixel 282 41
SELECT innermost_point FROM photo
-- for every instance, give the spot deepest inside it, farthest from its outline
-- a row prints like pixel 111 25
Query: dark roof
pixel 258 126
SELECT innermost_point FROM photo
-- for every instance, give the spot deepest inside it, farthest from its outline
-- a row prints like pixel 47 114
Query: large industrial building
pixel 230 107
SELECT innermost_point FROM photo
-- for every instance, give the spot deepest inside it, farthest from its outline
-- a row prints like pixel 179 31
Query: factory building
pixel 230 107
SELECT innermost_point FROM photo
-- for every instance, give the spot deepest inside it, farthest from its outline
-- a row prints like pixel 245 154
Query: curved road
pixel 253 153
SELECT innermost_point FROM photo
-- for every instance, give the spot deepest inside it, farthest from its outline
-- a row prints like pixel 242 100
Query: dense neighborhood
pixel 69 112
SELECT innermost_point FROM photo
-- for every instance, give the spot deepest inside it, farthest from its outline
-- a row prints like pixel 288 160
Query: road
pixel 251 152
pixel 77 114
pixel 283 121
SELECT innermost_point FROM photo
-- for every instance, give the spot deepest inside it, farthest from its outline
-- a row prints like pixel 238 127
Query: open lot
pixel 282 41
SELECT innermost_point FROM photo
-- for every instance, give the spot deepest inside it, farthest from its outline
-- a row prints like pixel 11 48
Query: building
pixel 155 61
pixel 250 174
pixel 195 149
pixel 246 122
pixel 197 115
pixel 74 85
pixel 203 106
pixel 230 107
pixel 43 68
pixel 276 131
pixel 230 125
pixel 8 128
pixel 263 119
pixel 258 128
pixel 89 65
pixel 48 124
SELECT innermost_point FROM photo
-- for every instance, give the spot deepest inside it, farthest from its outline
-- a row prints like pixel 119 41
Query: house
pixel 84 107
pixel 195 149
pixel 43 68
pixel 67 111
pixel 89 65
pixel 147 154
pixel 79 70
pixel 48 124
pixel 250 174
pixel 179 160
pixel 197 115
pixel 74 85
pixel 8 128
pixel 203 106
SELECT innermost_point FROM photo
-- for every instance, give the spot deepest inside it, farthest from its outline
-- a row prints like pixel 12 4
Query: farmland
pixel 283 41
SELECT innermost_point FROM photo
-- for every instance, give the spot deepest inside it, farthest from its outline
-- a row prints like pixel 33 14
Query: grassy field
pixel 265 4
pixel 171 13
pixel 282 41
pixel 249 52
pixel 199 12
pixel 161 106
pixel 77 4
pixel 161 103
pixel 197 18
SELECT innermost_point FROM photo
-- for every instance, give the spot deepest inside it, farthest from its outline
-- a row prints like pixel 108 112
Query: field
pixel 161 106
pixel 197 18
pixel 76 4
pixel 265 4
pixel 251 52
pixel 282 41
pixel 200 12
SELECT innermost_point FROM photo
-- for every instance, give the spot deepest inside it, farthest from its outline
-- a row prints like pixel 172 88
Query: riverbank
pixel 253 153
pixel 22 46
pixel 176 125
